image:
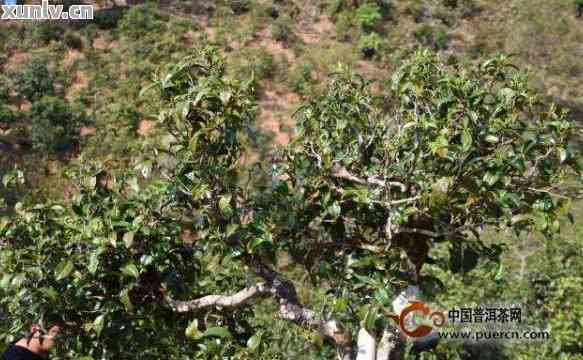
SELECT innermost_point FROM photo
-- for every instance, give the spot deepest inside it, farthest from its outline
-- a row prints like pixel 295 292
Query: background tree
pixel 35 79
pixel 54 126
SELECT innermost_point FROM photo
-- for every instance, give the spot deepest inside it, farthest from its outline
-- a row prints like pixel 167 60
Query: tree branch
pixel 392 344
pixel 329 328
pixel 366 346
pixel 227 301
pixel 341 173
pixel 400 201
pixel 456 230
pixel 290 308
pixel 429 233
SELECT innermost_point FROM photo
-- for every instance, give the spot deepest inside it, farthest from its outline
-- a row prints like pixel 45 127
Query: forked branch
pixel 290 309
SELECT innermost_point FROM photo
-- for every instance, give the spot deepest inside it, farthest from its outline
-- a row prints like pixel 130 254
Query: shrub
pixel 6 116
pixel 433 37
pixel 35 79
pixel 463 7
pixel 370 45
pixel 468 8
pixel 140 21
pixel 256 62
pixel 54 128
pixel 282 29
pixel 126 114
pixel 240 6
pixel 345 26
pixel 108 18
pixel 300 77
pixel 416 9
pixel 336 6
pixel 90 32
pixel 40 33
pixel 4 90
pixel 73 40
pixel 263 64
pixel 566 326
pixel 369 16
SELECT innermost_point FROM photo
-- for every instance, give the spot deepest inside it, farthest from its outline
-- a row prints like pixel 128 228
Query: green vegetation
pixel 54 127
pixel 370 45
pixel 240 6
pixel 282 29
pixel 327 153
pixel 36 79
pixel 73 41
pixel 368 16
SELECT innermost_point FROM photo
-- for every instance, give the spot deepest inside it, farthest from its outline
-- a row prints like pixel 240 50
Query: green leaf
pixel 500 272
pixel 64 269
pixel 265 238
pixel 51 293
pixel 225 97
pixel 3 223
pixel 5 282
pixel 98 324
pixel 565 207
pixel 112 237
pixel 193 144
pixel 183 108
pixel 231 229
pixel 217 332
pixel 466 140
pixel 93 262
pixel 131 270
pixel 89 182
pixel 555 225
pixel 254 341
pixel 18 280
pixel 126 301
pixel 334 210
pixel 492 139
pixel 133 183
pixel 225 205
pixel 341 304
pixel 441 151
pixel 370 318
pixel 563 155
pixel 58 208
pixel 541 221
pixel 146 260
pixel 491 178
pixel 128 239
pixel 192 331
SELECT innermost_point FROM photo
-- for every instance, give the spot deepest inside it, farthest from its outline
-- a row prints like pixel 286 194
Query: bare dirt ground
pixel 314 33
pixel 275 48
pixel 73 55
pixel 145 126
pixel 17 59
pixel 103 43
pixel 275 115
pixel 80 82
pixel 87 131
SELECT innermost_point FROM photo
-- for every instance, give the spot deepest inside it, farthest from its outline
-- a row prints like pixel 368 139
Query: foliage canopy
pixel 367 180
